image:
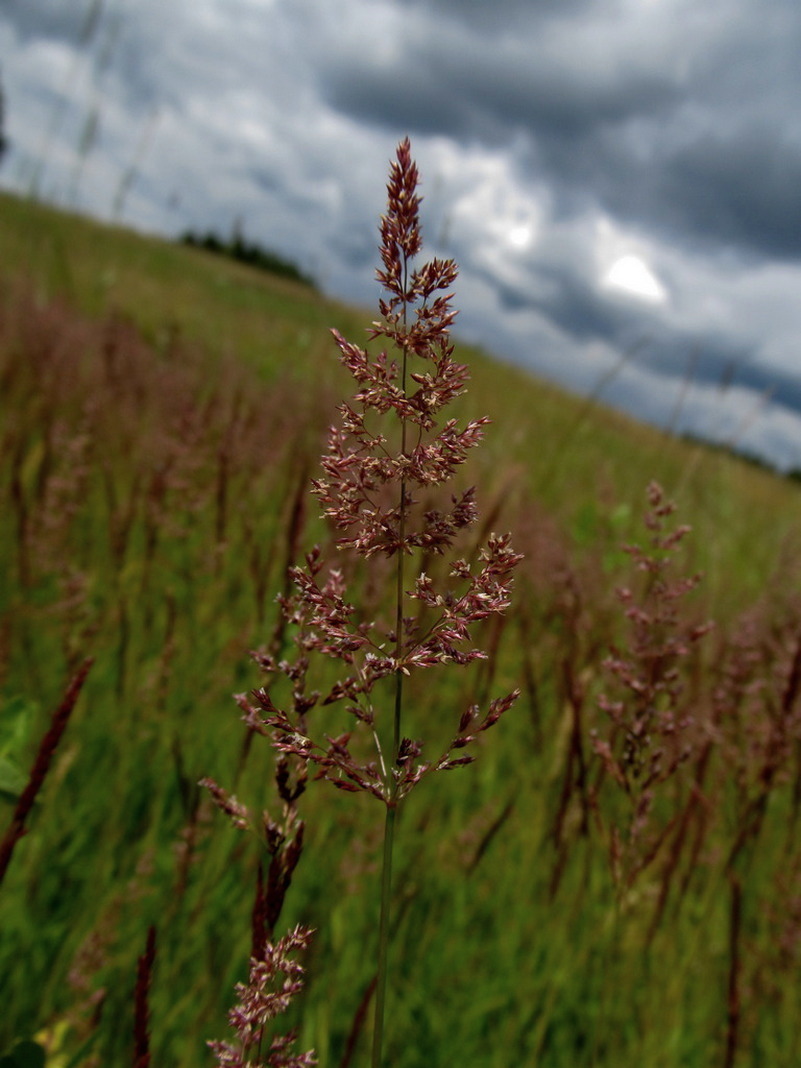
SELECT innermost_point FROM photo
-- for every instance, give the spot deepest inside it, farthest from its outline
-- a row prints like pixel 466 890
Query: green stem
pixel 396 730
pixel 383 935
pixel 391 784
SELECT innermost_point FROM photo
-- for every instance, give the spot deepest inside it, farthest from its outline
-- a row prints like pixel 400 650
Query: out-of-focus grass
pixel 581 461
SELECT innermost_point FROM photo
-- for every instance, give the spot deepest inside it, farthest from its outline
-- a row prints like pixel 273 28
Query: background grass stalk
pixel 41 766
pixel 383 934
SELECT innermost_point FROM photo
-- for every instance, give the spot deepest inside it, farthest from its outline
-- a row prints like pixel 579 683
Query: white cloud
pixel 632 275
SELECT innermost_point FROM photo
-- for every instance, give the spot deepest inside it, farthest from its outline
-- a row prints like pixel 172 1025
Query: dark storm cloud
pixel 480 13
pixel 461 91
pixel 743 188
pixel 698 135
pixel 450 84
pixel 386 99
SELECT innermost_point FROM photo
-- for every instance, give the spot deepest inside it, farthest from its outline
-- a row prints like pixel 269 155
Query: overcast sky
pixel 619 180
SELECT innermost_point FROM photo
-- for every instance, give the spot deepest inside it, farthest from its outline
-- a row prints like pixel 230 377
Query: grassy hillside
pixel 569 451
pixel 162 411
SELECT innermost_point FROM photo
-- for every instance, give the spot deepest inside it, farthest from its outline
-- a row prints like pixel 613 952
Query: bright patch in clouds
pixel 633 275
pixel 621 260
pixel 520 236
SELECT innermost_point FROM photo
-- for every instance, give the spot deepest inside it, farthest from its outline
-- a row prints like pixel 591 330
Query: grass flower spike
pixel 380 489
pixel 274 980
pixel 390 446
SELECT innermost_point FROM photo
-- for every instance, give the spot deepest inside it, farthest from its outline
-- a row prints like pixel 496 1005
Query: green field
pixel 161 412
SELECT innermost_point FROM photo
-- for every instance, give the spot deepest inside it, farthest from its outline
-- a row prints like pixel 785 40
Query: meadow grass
pixel 162 411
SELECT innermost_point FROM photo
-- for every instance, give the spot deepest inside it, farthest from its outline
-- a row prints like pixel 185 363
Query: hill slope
pixel 162 411
pixel 566 449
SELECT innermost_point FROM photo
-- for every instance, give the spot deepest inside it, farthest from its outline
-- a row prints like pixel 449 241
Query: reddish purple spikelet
pixel 227 803
pixel 389 453
pixel 273 981
pixel 653 731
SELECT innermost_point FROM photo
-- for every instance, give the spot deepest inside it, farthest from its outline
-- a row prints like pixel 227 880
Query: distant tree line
pixel 792 474
pixel 238 248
